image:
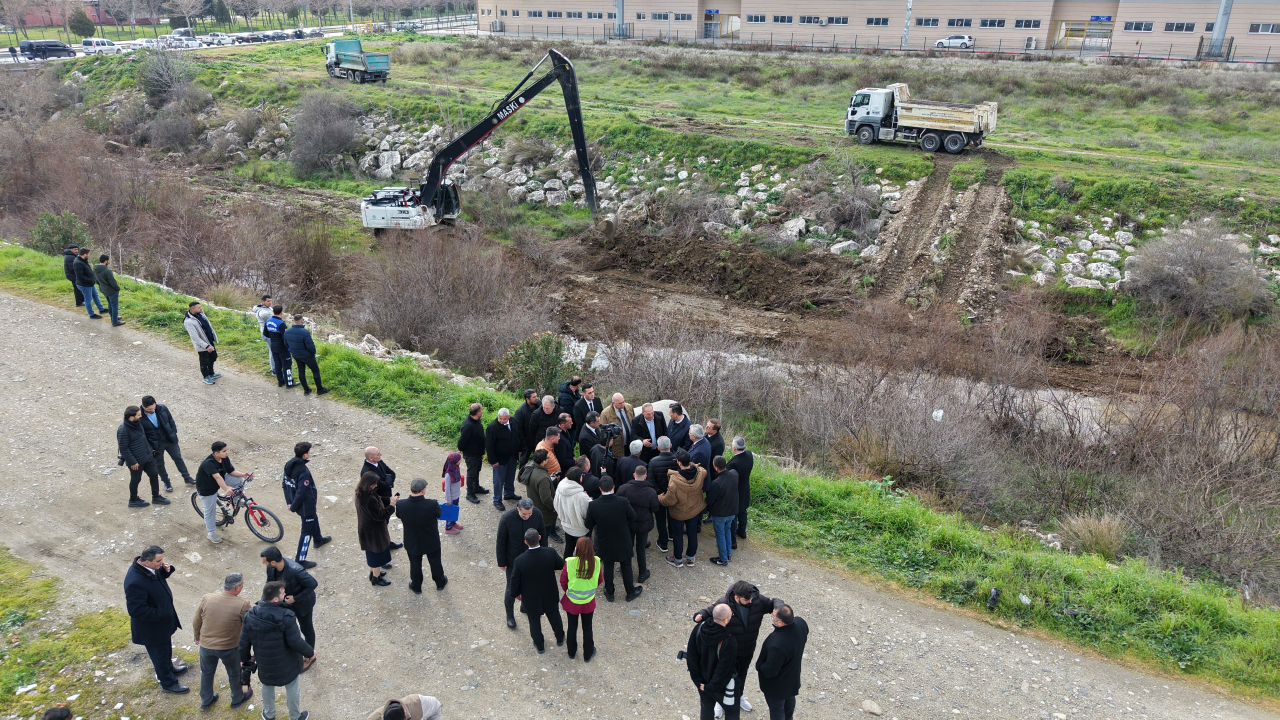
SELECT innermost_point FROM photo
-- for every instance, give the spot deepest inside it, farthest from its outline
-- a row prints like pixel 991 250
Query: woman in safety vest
pixel 579 579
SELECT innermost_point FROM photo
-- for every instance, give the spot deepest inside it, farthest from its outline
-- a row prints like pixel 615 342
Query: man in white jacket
pixel 203 339
pixel 571 503
pixel 264 313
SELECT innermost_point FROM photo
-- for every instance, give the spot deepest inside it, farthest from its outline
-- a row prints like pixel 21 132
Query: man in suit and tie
pixel 621 413
pixel 590 435
pixel 152 617
pixel 647 427
pixel 421 535
pixel 535 583
pixel 588 404
pixel 374 463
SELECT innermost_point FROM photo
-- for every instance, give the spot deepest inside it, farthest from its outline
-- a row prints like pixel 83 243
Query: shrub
pixel 80 24
pixel 171 131
pixel 535 362
pixel 1103 535
pixel 324 125
pixel 53 233
pixel 230 296
pixel 160 73
pixel 1195 274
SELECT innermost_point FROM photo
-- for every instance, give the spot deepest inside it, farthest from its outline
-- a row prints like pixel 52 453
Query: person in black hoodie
pixel 270 636
pixel 87 282
pixel 568 395
pixel 299 590
pixel 709 656
pixel 749 609
pixel 471 445
pixel 69 256
pixel 644 499
pixel 664 463
pixel 301 493
pixel 779 663
pixel 137 454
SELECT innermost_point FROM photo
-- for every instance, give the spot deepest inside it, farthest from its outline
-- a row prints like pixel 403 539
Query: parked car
pixel 249 37
pixel 184 43
pixel 184 32
pixel 964 42
pixel 216 38
pixel 278 35
pixel 39 49
pixel 99 46
pixel 315 33
pixel 146 44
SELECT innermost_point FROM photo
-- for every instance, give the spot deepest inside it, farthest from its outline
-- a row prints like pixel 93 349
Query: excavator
pixel 436 199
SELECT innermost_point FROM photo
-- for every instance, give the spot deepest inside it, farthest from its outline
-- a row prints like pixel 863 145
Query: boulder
pixel 1040 278
pixel 1078 258
pixel 1072 268
pixel 1124 237
pixel 1034 233
pixel 1096 238
pixel 634 211
pixel 715 228
pixel 536 196
pixel 418 160
pixel 730 201
pixel 577 190
pixel 515 177
pixel 1085 245
pixel 870 251
pixel 845 246
pixel 553 184
pixel 557 197
pixel 792 229
pixel 494 172
pixel 1079 282
pixel 1062 241
pixel 1054 253
pixel 1102 270
pixel 1037 259
pixel 369 163
pixel 740 216
pixel 518 193
pixel 389 159
pixel 1106 256
pixel 1048 268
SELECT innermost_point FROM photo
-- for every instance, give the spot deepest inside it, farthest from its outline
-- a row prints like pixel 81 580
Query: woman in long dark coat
pixel 371 525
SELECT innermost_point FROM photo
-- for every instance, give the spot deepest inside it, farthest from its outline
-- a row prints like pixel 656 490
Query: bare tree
pixel 185 8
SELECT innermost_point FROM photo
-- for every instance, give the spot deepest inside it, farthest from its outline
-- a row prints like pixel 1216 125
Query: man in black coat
pixel 471 445
pixel 590 435
pixel 714 437
pixel 162 432
pixel 647 427
pixel 548 415
pixel 511 531
pixel 502 444
pixel 421 535
pixel 742 461
pixel 779 663
pixel 588 404
pixel 611 517
pixel 152 617
pixel 521 418
pixel 564 446
pixel 68 257
pixel 749 609
pixel 136 453
pixel 534 581
pixel 85 278
pixel 664 463
pixel 644 500
pixel 722 508
pixel 709 657
pixel 678 428
pixel 299 589
pixel 626 467
pixel 374 463
pixel 270 636
pixel 568 395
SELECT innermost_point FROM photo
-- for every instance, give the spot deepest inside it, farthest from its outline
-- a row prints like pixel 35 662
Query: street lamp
pixel 668 26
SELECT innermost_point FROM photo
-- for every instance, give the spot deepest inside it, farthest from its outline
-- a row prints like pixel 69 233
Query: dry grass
pixel 1104 535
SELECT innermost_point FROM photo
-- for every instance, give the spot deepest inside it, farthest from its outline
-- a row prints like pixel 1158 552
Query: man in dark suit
pixel 374 463
pixel 742 461
pixel 780 661
pixel 564 446
pixel 471 445
pixel 152 617
pixel 568 395
pixel 590 435
pixel 664 463
pixel 535 584
pixel 162 431
pixel 299 590
pixel 626 467
pixel 647 427
pixel 712 429
pixel 700 450
pixel 611 516
pixel 678 428
pixel 421 535
pixel 588 404
pixel 502 444
pixel 522 417
pixel 511 531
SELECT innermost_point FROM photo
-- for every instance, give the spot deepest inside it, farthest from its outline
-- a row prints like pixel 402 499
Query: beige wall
pixel 1158 41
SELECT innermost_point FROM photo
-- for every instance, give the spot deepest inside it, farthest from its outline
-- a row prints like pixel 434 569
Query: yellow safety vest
pixel 581 591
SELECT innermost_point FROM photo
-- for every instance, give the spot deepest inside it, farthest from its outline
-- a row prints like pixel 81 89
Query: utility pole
pixel 906 27
pixel 668 26
pixel 1220 28
pixel 620 28
pixel 351 14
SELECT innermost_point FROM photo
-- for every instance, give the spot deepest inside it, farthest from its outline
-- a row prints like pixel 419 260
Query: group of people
pixel 86 278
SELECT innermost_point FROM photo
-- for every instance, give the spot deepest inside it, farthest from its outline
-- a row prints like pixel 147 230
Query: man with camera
pixel 710 657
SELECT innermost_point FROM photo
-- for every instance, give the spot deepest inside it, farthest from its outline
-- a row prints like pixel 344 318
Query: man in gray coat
pixel 203 339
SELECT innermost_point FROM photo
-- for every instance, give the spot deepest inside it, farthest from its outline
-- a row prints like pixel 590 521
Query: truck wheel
pixel 930 142
pixel 866 135
pixel 954 143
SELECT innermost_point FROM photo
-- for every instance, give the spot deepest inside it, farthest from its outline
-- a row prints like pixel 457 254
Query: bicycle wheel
pixel 199 508
pixel 263 523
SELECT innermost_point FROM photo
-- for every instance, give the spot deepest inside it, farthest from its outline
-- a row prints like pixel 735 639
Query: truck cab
pixel 870 107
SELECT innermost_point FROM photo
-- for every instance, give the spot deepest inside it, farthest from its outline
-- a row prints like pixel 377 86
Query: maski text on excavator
pixel 510 108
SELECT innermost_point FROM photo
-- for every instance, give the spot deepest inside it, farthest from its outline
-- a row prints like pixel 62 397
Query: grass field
pixel 1126 611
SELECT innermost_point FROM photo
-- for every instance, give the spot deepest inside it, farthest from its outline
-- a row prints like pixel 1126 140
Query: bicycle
pixel 261 521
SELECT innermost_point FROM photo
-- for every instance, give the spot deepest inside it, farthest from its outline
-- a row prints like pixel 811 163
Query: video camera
pixel 610 431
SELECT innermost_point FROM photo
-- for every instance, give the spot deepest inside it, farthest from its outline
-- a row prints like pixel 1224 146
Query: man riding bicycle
pixel 216 474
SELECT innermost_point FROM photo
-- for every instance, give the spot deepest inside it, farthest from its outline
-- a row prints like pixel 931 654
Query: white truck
pixel 890 114
pixel 216 38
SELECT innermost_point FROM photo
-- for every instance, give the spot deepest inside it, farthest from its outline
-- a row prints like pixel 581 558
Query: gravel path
pixel 67 380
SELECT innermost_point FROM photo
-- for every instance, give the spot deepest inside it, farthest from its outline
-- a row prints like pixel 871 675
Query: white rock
pixel 730 201
pixel 390 158
pixel 891 196
pixel 683 175
pixel 1054 253
pixel 515 177
pixel 846 246
pixel 1084 245
pixel 715 228
pixel 493 172
pixel 422 158
pixel 1035 233
pixel 1103 270
pixel 869 251
pixel 1072 268
pixel 870 706
pixel 1079 282
pixel 1040 278
pixel 1096 238
pixel 1037 259
pixel 553 184
pixel 1124 237
pixel 1078 258
pixel 385 172
pixel 557 197
pixel 1273 239
pixel 1048 268
pixel 536 196
pixel 1106 255
pixel 518 193
pixel 577 190
pixel 792 229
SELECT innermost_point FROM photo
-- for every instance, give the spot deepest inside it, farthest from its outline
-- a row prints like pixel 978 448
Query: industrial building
pixel 1157 28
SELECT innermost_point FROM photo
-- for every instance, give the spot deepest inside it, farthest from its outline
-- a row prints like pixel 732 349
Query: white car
pixel 99 46
pixel 216 38
pixel 964 42
pixel 184 43
pixel 146 44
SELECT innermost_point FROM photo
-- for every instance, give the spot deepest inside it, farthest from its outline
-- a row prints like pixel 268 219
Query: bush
pixel 1103 535
pixel 80 24
pixel 324 125
pixel 161 72
pixel 1196 274
pixel 230 296
pixel 535 362
pixel 171 131
pixel 53 233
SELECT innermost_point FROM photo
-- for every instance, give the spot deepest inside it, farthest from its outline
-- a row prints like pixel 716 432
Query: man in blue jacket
pixel 301 493
pixel 303 349
pixel 281 363
pixel 152 618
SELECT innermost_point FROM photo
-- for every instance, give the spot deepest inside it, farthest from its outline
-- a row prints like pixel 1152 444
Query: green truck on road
pixel 346 59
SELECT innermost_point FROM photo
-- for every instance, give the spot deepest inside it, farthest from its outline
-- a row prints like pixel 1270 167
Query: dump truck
pixel 346 59
pixel 890 114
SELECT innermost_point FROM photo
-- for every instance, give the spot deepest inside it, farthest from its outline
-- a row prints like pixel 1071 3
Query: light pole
pixel 668 26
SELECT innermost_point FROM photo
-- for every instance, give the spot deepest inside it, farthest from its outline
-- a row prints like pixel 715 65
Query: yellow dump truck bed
pixel 953 117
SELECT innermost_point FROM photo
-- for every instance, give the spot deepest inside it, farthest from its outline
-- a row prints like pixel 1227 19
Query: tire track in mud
pixel 925 210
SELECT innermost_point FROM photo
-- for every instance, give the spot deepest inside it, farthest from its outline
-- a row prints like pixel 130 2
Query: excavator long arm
pixel 438 196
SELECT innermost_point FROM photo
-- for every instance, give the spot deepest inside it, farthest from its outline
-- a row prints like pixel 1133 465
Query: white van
pixel 99 46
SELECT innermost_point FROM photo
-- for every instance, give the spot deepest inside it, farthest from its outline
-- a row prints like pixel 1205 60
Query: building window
pixel 1208 27
pixel 926 22
pixel 574 14
pixel 959 22
pixel 594 15
pixel 535 13
pixel 1026 24
pixel 503 13
pixel 555 14
pixel 838 20
pixel 878 22
pixel 515 13
pixel 1137 26
pixel 1264 28
pixel 991 22
pixel 613 16
pixel 809 19
pixel 782 19
pixel 755 18
pixel 688 17
pixel 1179 27
pixel 662 16
pixel 639 16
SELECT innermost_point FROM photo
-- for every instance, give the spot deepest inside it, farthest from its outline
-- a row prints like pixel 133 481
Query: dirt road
pixel 67 379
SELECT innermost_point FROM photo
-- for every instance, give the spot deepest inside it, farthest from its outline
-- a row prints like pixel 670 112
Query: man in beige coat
pixel 621 413
pixel 217 632
pixel 409 707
